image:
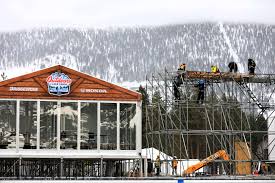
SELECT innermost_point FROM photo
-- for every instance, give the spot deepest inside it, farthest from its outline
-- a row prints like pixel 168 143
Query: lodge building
pixel 59 122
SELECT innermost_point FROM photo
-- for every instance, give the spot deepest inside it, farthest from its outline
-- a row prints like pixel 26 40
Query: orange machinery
pixel 219 154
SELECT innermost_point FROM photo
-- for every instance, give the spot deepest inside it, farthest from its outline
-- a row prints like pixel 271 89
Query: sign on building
pixel 58 84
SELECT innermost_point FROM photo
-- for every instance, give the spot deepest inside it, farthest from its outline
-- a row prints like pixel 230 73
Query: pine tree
pixel 4 76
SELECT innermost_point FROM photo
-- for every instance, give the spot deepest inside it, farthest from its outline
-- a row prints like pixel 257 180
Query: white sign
pixel 14 88
pixel 59 84
pixel 93 90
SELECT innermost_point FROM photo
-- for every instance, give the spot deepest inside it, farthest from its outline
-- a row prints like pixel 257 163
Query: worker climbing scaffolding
pixel 178 80
pixel 201 87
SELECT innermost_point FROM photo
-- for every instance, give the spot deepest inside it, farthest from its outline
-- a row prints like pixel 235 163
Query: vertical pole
pixel 98 126
pixel 20 166
pixel 213 117
pixel 141 166
pixel 145 167
pixel 61 166
pixel 78 124
pixel 101 166
pixel 146 119
pixel 166 121
pixel 38 125
pixel 152 115
pixel 139 128
pixel 58 124
pixel 17 124
pixel 187 119
pixel 118 125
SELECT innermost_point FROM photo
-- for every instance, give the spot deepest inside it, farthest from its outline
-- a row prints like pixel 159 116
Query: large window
pixel 108 130
pixel 48 125
pixel 68 125
pixel 128 122
pixel 7 124
pixel 88 126
pixel 92 118
pixel 28 125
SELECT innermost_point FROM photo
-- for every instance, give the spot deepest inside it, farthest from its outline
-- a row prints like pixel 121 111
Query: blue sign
pixel 59 84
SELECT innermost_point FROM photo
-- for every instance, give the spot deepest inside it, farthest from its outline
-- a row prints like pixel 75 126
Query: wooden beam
pixel 76 84
pixel 45 88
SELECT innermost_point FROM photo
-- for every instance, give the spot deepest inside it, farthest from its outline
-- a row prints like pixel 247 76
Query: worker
pixel 174 165
pixel 251 66
pixel 176 91
pixel 201 87
pixel 157 165
pixel 233 67
pixel 178 80
pixel 215 69
pixel 182 67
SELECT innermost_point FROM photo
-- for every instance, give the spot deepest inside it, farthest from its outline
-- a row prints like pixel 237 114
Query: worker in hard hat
pixel 157 165
pixel 215 69
pixel 182 67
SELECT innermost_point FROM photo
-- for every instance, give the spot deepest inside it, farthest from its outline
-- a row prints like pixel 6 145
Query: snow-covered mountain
pixel 128 54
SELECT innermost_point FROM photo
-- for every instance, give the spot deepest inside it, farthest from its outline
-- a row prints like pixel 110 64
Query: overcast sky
pixel 27 14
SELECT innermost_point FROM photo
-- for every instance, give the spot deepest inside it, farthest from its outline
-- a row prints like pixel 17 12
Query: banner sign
pixel 29 89
pixel 82 90
pixel 59 84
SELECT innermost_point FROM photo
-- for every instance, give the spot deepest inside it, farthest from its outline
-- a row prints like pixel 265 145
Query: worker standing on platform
pixel 233 67
pixel 251 66
pixel 215 69
pixel 174 166
pixel 200 85
pixel 182 67
pixel 157 165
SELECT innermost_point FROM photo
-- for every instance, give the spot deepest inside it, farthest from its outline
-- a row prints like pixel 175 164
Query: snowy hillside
pixel 128 54
pixel 41 63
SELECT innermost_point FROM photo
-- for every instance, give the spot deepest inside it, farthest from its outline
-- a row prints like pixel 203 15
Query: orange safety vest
pixel 174 163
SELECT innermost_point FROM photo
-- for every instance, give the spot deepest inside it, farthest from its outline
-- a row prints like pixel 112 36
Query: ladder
pixel 245 87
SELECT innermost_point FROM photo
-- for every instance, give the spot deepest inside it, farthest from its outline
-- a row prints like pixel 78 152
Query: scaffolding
pixel 236 115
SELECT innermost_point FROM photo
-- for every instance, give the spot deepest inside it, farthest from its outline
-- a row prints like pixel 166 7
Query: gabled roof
pixel 83 87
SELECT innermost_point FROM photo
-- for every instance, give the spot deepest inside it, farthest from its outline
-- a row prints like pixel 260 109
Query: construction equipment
pixel 219 154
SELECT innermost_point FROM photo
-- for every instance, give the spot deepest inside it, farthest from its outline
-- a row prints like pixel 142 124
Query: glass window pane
pixel 28 125
pixel 68 125
pixel 48 125
pixel 7 124
pixel 128 122
pixel 108 127
pixel 88 126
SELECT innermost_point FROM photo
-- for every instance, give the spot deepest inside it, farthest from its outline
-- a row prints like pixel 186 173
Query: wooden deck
pixel 228 76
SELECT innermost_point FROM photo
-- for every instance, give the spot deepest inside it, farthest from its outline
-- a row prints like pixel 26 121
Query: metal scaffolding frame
pixel 237 108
